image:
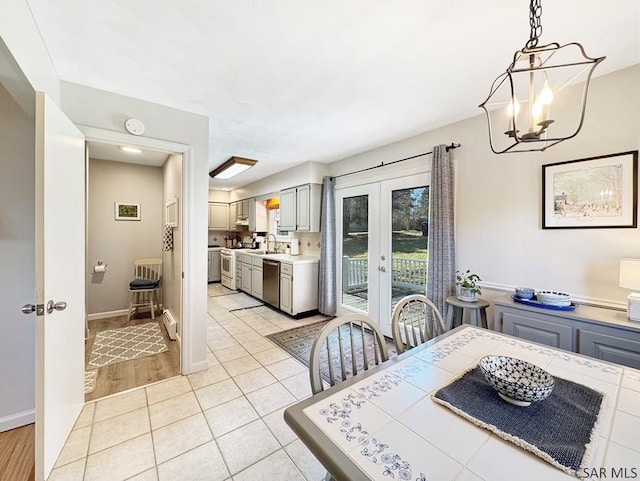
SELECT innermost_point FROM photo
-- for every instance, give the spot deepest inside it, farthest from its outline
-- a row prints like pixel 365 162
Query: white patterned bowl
pixel 553 298
pixel 517 382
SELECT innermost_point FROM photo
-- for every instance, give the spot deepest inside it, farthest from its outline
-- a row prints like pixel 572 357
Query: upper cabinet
pixel 218 216
pixel 258 216
pixel 300 208
pixel 233 209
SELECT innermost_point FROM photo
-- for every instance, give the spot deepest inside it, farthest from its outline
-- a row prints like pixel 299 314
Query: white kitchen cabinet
pixel 213 272
pixel 298 287
pixel 256 277
pixel 593 331
pixel 218 216
pixel 242 209
pixel 233 215
pixel 300 208
pixel 288 210
pixel 246 273
pixel 257 215
pixel 286 292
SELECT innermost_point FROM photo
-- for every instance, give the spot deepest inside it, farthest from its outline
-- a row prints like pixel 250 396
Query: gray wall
pixel 498 198
pixel 172 260
pixel 119 243
pixel 17 275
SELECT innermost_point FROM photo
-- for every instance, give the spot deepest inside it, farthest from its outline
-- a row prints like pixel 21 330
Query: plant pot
pixel 467 295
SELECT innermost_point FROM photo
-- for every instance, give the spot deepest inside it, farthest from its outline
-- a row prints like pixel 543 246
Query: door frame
pixel 93 134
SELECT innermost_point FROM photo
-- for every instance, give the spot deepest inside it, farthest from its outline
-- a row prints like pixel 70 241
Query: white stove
pixel 228 267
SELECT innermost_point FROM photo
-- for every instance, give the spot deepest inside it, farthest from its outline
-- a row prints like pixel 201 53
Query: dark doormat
pixel 298 341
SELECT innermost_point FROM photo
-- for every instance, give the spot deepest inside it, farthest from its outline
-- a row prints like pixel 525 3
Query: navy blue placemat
pixel 558 429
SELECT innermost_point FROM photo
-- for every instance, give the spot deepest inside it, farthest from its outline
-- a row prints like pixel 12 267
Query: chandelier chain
pixel 535 22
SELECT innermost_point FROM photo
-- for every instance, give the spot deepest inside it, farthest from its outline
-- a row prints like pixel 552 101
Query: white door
pixel 382 250
pixel 358 249
pixel 404 204
pixel 60 278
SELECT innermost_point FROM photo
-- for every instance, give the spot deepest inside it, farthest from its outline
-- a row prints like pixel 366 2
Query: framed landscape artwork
pixel 597 192
pixel 126 211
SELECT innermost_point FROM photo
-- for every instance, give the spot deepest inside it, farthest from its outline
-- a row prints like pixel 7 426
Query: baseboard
pixel 198 366
pixel 104 315
pixel 121 312
pixel 17 420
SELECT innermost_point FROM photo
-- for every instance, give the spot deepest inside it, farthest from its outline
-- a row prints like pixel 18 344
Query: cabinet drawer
pixel 610 347
pixel 538 330
pixel 286 269
pixel 256 261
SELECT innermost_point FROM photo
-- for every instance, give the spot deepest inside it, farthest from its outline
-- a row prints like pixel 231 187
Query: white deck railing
pixel 407 272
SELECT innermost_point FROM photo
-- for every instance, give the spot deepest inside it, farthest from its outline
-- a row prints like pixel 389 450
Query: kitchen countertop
pixel 284 257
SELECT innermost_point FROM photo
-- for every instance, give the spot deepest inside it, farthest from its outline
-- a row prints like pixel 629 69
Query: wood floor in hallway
pixel 17 454
pixel 126 375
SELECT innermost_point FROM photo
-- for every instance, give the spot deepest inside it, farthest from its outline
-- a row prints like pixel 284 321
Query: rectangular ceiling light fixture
pixel 232 167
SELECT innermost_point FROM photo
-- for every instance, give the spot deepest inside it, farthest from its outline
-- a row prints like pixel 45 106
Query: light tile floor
pixel 221 424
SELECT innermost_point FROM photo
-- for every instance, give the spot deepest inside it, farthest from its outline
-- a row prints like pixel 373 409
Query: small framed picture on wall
pixel 127 211
pixel 592 193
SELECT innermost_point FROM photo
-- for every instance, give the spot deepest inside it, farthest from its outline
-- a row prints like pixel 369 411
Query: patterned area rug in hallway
pixel 125 344
pixel 298 342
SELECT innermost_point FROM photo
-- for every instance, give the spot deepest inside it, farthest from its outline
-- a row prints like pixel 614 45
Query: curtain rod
pixel 382 164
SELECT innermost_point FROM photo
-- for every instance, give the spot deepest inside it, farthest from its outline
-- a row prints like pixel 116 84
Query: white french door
pixel 382 245
pixel 60 280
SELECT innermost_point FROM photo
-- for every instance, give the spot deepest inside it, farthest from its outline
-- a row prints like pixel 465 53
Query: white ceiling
pixel 151 158
pixel 290 81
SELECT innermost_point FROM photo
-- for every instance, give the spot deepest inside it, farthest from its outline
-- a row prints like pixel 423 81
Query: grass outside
pixel 408 244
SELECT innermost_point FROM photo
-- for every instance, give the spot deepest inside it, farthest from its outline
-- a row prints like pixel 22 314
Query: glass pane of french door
pixel 355 252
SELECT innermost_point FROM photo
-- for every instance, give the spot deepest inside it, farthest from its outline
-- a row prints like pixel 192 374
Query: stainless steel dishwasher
pixel 271 282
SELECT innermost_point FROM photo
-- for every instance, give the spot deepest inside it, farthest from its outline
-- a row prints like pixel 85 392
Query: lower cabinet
pixel 246 277
pixel 596 332
pixel 256 277
pixel 298 287
pixel 541 330
pixel 611 346
pixel 286 292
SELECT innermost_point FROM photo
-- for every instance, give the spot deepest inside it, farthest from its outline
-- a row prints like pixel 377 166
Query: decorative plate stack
pixel 553 298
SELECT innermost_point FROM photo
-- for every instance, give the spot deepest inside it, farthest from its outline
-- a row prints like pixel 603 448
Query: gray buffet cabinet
pixel 597 332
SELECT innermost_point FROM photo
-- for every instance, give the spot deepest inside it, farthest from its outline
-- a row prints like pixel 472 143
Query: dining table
pixel 412 418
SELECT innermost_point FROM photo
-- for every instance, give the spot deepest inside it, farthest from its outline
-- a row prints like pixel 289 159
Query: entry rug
pixel 559 429
pixel 299 340
pixel 90 381
pixel 235 302
pixel 125 344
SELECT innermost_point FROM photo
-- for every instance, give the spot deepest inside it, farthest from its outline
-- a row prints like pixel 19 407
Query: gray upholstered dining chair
pixel 342 351
pixel 414 321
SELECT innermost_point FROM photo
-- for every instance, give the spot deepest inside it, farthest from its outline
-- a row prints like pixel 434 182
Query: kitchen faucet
pixel 274 243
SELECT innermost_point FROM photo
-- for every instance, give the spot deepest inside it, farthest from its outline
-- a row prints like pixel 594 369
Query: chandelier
pixel 522 106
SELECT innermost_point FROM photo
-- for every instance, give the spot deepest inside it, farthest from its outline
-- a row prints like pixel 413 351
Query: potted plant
pixel 468 283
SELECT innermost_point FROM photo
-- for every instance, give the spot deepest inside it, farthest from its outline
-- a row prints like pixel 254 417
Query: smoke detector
pixel 134 126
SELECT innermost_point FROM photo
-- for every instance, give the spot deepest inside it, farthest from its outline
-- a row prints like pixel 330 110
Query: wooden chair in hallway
pixel 414 321
pixel 146 287
pixel 351 342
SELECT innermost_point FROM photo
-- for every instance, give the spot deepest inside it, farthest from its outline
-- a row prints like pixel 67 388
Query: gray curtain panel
pixel 442 245
pixel 327 297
